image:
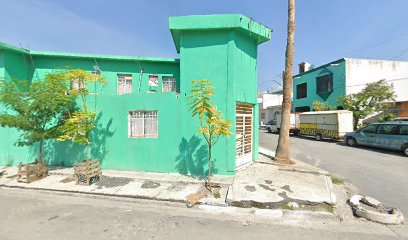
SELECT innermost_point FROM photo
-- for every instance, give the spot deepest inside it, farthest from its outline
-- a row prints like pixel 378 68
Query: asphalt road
pixel 381 174
pixel 35 215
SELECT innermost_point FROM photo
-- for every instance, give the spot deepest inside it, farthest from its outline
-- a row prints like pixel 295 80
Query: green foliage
pixel 375 97
pixel 80 123
pixel 329 208
pixel 322 106
pixel 77 127
pixel 37 108
pixel 212 123
pixel 337 180
pixel 287 207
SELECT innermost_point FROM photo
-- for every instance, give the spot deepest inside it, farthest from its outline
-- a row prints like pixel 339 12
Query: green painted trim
pixel 320 67
pixel 237 22
pixel 106 57
pixel 10 47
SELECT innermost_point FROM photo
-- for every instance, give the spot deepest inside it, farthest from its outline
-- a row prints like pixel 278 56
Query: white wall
pixel 362 71
pixel 269 104
pixel 270 99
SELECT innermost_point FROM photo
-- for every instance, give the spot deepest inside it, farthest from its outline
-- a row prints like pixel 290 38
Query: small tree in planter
pixel 37 109
pixel 80 123
pixel 212 123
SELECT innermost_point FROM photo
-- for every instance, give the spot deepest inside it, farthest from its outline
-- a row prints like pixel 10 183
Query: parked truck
pixel 274 125
pixel 326 124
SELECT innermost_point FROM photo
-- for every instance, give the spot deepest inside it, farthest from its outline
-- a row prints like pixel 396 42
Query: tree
pixel 212 123
pixel 35 108
pixel 322 106
pixel 376 97
pixel 80 123
pixel 283 148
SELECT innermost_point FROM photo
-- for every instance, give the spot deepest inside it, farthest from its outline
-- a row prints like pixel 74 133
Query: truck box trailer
pixel 326 124
pixel 274 125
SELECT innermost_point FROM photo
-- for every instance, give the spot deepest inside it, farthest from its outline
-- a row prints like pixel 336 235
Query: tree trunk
pixel 356 120
pixel 40 151
pixel 87 152
pixel 283 148
pixel 209 167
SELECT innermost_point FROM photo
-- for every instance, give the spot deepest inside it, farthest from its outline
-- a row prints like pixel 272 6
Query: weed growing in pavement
pixel 337 180
pixel 329 208
pixel 287 207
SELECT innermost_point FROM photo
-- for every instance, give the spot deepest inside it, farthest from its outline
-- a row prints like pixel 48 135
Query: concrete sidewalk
pixel 262 184
pixel 266 184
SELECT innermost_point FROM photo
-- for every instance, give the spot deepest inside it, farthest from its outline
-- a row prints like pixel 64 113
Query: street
pixel 379 173
pixel 27 214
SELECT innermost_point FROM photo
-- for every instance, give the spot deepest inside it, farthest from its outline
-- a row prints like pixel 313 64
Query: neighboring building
pixel 346 76
pixel 270 105
pixel 144 123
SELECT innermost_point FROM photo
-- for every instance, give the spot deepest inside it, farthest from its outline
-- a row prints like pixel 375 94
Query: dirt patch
pixel 150 184
pixel 268 182
pixel 112 182
pixel 67 180
pixel 178 186
pixel 250 188
pixel 266 187
pixel 287 188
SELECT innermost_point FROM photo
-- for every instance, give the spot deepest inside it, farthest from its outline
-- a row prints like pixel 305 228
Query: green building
pixel 345 76
pixel 143 121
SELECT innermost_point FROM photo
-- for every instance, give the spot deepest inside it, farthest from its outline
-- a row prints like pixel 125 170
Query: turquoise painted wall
pixel 337 68
pixel 2 64
pixel 225 56
pixel 245 53
pixel 204 55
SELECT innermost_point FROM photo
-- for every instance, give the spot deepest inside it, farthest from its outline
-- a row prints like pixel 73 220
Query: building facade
pixel 143 118
pixel 347 76
pixel 270 105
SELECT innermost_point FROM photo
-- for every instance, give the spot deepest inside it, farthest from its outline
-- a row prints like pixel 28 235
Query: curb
pixel 270 213
pixel 206 203
pixel 208 207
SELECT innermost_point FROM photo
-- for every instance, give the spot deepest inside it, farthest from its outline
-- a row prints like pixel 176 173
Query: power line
pixel 271 79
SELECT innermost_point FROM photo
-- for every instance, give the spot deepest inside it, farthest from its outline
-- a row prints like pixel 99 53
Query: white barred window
pixel 76 84
pixel 143 124
pixel 169 84
pixel 124 83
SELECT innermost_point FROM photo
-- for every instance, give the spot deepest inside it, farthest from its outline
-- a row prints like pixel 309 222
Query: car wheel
pixel 350 141
pixel 269 130
pixel 405 151
pixel 318 137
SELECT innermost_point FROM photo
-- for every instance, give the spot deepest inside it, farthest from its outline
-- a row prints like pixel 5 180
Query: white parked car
pixel 272 127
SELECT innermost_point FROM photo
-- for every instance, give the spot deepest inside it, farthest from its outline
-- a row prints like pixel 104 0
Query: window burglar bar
pixel 124 83
pixel 169 84
pixel 76 84
pixel 143 124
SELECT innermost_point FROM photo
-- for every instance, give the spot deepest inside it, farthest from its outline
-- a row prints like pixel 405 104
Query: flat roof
pixel 9 47
pixel 338 61
pixel 239 22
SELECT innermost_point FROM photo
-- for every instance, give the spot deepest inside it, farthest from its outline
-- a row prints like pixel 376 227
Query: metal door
pixel 244 124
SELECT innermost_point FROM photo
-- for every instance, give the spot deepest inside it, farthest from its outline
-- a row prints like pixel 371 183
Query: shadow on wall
pixel 193 158
pixel 67 153
pixel 99 136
